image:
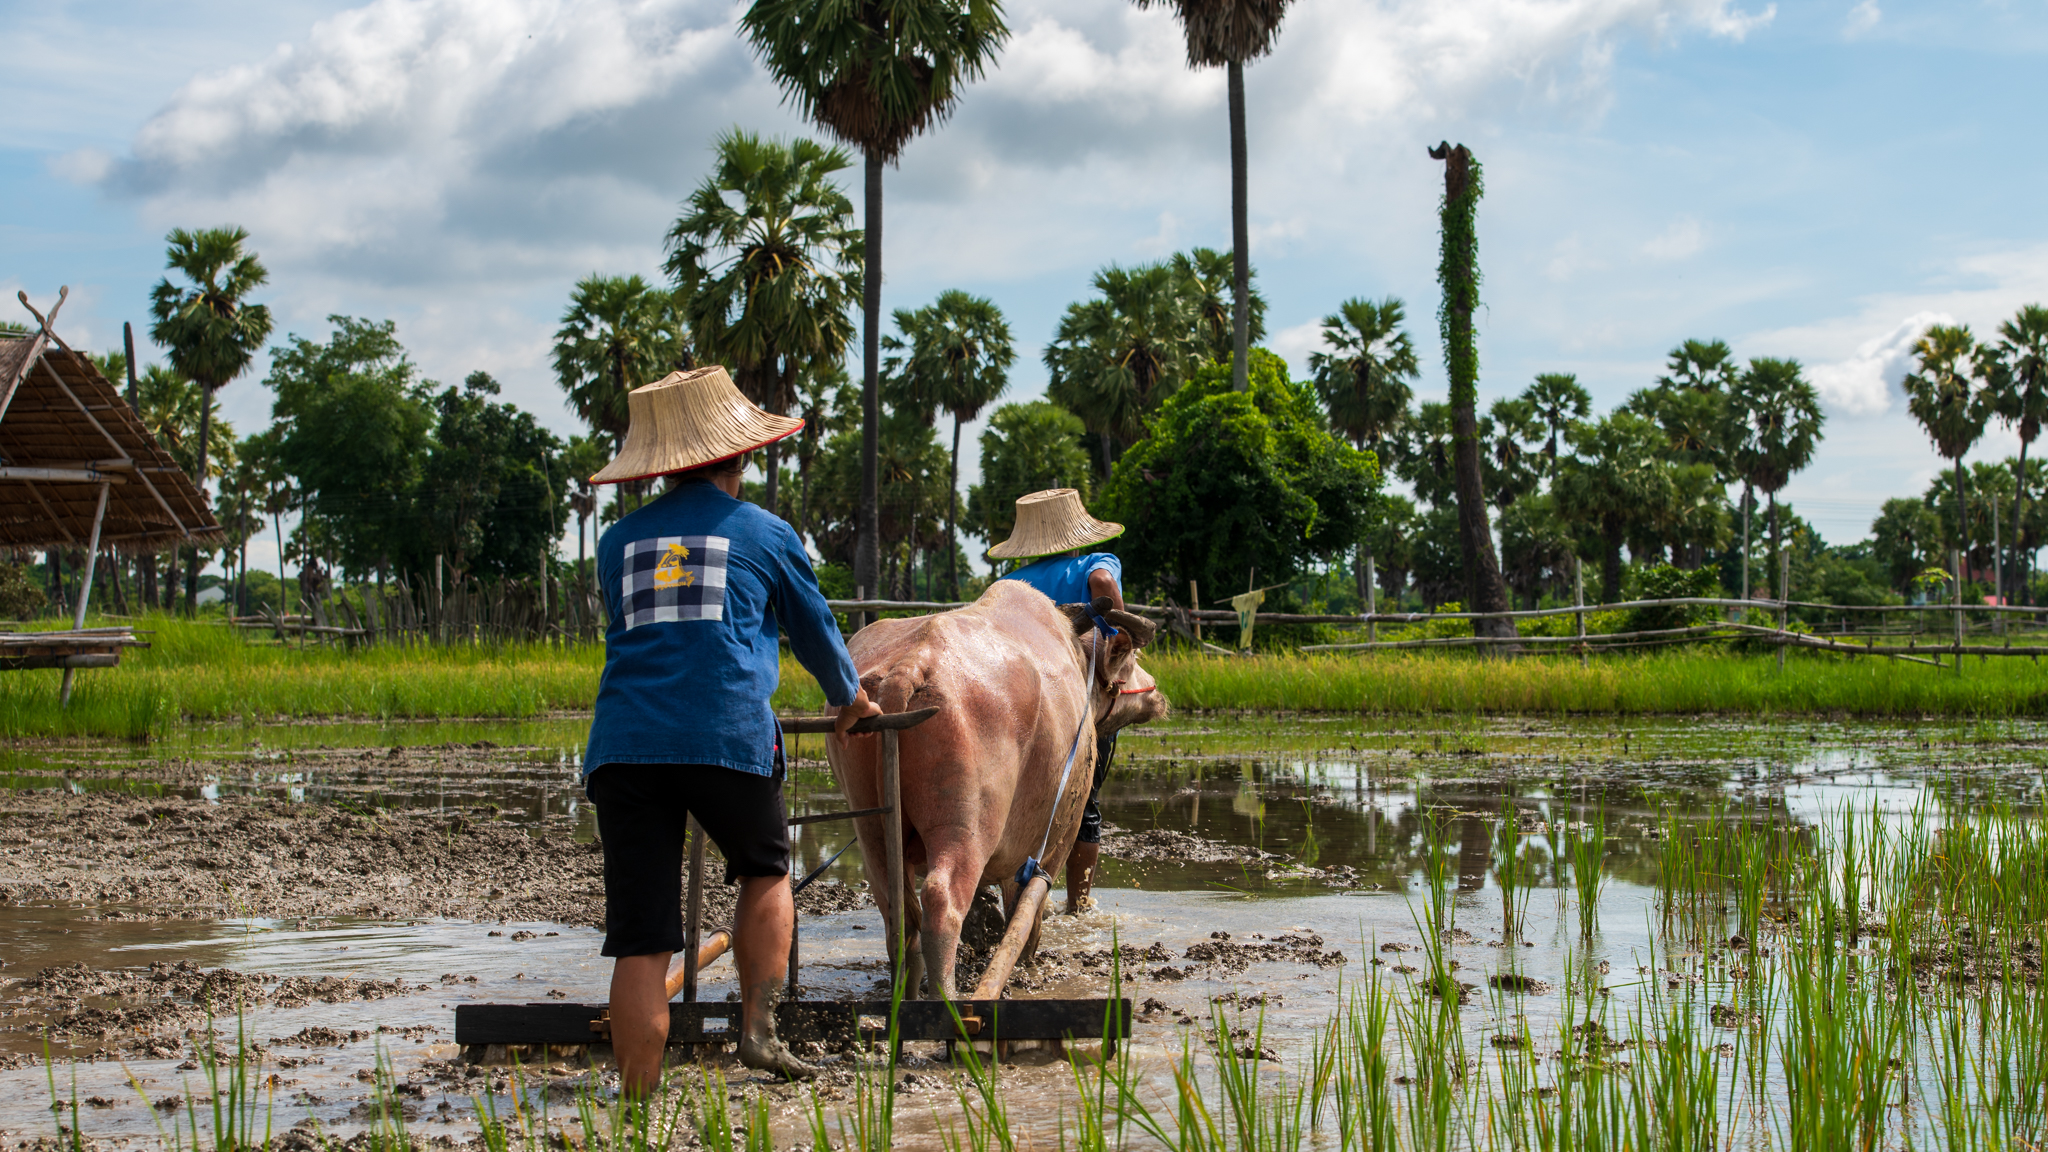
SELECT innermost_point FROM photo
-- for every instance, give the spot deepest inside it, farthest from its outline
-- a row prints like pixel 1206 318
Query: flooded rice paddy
pixel 1569 930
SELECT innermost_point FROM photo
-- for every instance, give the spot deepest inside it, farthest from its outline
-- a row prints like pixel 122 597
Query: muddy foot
pixel 772 1055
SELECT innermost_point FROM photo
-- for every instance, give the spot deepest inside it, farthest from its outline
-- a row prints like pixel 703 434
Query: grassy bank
pixel 205 673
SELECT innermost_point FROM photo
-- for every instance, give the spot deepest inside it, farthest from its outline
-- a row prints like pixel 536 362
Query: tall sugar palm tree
pixel 875 74
pixel 1612 482
pixel 1943 398
pixel 207 326
pixel 2015 372
pixel 1365 381
pixel 1225 34
pixel 958 359
pixel 1115 358
pixel 618 333
pixel 1559 401
pixel 768 260
pixel 1785 417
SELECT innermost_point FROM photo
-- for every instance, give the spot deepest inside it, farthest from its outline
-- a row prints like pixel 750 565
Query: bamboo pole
pixel 1030 903
pixel 1784 592
pixel 92 555
pixel 1956 556
pixel 1579 601
pixel 717 944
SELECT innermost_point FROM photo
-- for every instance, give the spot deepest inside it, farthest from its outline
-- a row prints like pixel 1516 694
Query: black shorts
pixel 642 819
pixel 1091 818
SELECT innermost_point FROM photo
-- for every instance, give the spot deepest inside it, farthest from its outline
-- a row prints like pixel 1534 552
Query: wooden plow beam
pixel 984 1017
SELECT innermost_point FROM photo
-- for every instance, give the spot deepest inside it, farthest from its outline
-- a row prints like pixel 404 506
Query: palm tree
pixel 1116 358
pixel 2015 372
pixel 1226 33
pixel 1941 398
pixel 959 359
pixel 584 456
pixel 1615 478
pixel 1784 417
pixel 1364 381
pixel 207 326
pixel 769 260
pixel 1701 366
pixel 875 75
pixel 1559 402
pixel 1207 276
pixel 618 333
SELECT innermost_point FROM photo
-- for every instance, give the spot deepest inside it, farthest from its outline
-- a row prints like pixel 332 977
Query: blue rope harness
pixel 1032 868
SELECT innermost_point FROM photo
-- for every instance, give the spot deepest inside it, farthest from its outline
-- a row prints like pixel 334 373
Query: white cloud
pixel 1863 18
pixel 1862 384
pixel 1684 238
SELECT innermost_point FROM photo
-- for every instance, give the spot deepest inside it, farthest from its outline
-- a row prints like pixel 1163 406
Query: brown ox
pixel 1009 676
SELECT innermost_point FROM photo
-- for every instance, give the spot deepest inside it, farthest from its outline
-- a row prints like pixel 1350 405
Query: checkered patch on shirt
pixel 672 578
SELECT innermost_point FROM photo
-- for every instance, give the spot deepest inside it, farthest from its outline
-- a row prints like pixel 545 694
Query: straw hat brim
pixel 1080 535
pixel 688 420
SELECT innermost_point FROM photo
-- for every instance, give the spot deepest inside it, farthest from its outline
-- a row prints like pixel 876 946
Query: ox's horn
pixel 1141 629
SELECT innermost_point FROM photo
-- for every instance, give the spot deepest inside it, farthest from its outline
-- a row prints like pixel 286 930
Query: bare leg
pixel 1080 875
pixel 766 917
pixel 639 1020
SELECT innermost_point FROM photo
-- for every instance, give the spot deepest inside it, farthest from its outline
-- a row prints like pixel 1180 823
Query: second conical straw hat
pixel 687 420
pixel 1053 521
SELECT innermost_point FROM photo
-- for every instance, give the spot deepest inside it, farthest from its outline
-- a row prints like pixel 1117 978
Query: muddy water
pixel 1255 859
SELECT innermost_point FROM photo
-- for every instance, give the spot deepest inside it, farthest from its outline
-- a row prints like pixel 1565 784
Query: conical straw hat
pixel 687 420
pixel 1052 521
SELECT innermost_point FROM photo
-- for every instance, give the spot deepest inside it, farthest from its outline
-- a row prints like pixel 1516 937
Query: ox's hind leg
pixel 948 894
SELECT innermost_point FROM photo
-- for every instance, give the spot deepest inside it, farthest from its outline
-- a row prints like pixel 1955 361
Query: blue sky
pixel 1817 180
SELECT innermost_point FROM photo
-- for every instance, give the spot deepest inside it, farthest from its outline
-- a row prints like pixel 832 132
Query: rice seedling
pixel 1589 876
pixel 1514 874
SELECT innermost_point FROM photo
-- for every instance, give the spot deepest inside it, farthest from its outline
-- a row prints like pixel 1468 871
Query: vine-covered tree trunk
pixel 1458 272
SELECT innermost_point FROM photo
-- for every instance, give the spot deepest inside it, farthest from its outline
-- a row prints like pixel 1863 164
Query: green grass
pixel 1671 683
pixel 204 673
pixel 207 673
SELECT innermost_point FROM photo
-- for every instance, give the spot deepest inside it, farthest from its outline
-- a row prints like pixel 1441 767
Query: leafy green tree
pixel 1230 481
pixel 1207 279
pixel 1115 358
pixel 912 498
pixel 874 74
pixel 491 488
pixel 828 404
pixel 207 325
pixel 618 333
pixel 236 509
pixel 1458 273
pixel 1423 456
pixel 1559 402
pixel 1783 420
pixel 1701 366
pixel 353 422
pixel 1616 472
pixel 2015 375
pixel 1942 397
pixel 1226 34
pixel 1025 448
pixel 955 355
pixel 768 258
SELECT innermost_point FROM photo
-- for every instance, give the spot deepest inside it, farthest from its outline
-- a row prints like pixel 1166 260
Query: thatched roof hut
pixel 66 437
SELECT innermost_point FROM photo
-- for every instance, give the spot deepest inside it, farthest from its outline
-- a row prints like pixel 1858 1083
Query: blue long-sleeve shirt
pixel 696 584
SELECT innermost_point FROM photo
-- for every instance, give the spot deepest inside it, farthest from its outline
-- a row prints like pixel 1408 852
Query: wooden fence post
pixel 1195 602
pixel 1784 595
pixel 1956 562
pixel 1372 599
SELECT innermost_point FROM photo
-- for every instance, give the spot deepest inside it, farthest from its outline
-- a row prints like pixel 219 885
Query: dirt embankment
pixel 126 857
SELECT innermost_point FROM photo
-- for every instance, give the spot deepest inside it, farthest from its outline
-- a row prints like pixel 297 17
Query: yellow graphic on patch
pixel 670 573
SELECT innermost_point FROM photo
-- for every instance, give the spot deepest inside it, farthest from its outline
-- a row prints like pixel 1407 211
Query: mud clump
pixel 1232 956
pixel 1180 847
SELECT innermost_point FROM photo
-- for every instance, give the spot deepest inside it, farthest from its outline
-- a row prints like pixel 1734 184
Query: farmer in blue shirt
pixel 697 586
pixel 1052 531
